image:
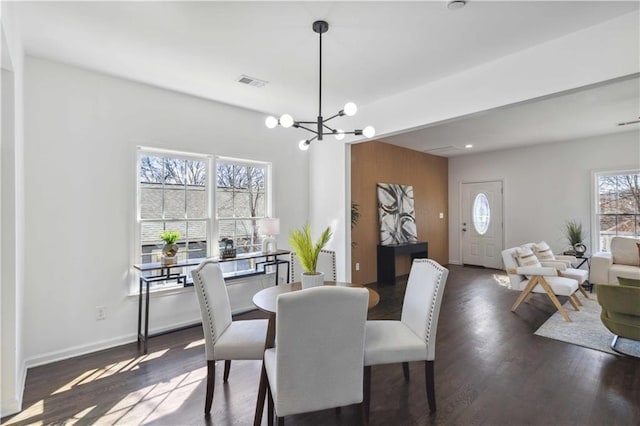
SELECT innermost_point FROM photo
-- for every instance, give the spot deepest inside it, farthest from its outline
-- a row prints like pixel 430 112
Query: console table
pixel 146 269
pixel 387 258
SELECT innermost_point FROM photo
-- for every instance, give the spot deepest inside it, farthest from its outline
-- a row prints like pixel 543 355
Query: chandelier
pixel 319 127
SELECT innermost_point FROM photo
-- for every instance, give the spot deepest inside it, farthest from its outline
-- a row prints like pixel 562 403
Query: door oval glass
pixel 481 213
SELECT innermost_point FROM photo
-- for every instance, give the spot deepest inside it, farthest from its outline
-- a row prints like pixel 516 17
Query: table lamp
pixel 269 226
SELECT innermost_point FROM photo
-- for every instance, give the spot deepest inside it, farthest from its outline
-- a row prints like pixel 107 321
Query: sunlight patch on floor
pixel 151 402
pixel 79 416
pixel 502 280
pixel 34 410
pixel 195 344
pixel 109 370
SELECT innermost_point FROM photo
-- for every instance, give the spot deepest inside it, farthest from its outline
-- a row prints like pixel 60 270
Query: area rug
pixel 586 329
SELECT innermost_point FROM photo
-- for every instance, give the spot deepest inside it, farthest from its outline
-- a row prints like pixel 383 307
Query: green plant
pixel 302 243
pixel 573 232
pixel 170 237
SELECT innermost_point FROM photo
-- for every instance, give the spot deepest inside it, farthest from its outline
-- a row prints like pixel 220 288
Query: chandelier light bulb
pixel 339 134
pixel 369 131
pixel 286 120
pixel 350 109
pixel 271 122
pixel 303 145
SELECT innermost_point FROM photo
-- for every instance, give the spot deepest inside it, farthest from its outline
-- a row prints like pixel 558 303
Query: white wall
pixel 82 129
pixel 12 365
pixel 328 195
pixel 544 185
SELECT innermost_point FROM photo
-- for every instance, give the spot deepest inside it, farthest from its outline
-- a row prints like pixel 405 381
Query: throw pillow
pixel 629 282
pixel 525 257
pixel 543 251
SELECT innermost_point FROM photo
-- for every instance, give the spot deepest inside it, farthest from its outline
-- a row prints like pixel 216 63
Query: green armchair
pixel 620 311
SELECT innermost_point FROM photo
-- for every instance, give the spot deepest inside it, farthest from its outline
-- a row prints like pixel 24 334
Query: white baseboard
pixel 10 406
pixel 50 357
pixel 455 262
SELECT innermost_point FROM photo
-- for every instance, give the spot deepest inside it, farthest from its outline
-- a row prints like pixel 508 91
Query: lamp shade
pixel 269 226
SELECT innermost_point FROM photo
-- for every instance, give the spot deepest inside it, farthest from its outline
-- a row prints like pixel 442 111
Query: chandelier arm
pixel 311 130
pixel 327 127
pixel 332 117
pixel 305 122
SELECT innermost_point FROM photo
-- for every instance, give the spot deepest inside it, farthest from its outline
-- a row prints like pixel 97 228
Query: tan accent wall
pixel 377 162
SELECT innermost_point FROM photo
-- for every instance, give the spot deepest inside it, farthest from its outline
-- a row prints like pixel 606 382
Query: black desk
pixel 176 272
pixel 387 258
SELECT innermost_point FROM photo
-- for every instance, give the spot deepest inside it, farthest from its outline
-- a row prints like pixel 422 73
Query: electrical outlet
pixel 441 215
pixel 101 313
pixel 357 266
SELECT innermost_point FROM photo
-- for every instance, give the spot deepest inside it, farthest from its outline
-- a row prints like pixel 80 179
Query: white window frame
pixel 149 151
pixel 595 204
pixel 267 192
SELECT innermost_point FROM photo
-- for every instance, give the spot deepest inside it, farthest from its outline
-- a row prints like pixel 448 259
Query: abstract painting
pixel 397 217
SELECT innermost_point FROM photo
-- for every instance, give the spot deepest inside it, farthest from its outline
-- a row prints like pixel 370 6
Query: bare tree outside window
pixel 618 207
pixel 172 196
pixel 240 202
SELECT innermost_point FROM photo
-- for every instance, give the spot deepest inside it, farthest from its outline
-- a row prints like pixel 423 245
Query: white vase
pixel 312 280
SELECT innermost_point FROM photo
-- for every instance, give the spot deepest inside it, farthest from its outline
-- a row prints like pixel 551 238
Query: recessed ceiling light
pixel 468 146
pixel 456 4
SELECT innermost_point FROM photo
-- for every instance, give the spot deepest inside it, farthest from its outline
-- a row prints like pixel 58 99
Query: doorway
pixel 482 226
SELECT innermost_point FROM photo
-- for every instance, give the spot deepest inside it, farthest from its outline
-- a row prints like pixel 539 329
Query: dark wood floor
pixel 490 370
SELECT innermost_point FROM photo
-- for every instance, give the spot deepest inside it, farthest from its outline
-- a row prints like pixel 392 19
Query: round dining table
pixel 266 300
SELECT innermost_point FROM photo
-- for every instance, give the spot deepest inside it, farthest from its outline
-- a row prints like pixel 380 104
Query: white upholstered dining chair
pixel 317 362
pixel 326 264
pixel 224 339
pixel 413 338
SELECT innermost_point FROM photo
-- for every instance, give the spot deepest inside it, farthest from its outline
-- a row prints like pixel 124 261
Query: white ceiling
pixel 372 50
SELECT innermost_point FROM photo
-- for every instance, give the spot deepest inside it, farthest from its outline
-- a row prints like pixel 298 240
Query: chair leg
pixel 405 371
pixel 525 292
pixel 431 390
pixel 211 380
pixel 269 406
pixel 573 303
pixel 577 299
pixel 366 393
pixel 227 369
pixel 362 414
pixel 547 288
pixel 582 290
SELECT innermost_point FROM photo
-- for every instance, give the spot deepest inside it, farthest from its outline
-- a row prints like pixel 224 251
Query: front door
pixel 481 226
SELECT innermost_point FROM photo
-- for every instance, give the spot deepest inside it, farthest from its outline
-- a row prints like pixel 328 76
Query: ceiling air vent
pixel 442 150
pixel 251 81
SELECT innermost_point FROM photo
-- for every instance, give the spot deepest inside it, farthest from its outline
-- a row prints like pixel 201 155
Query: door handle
pixel 464 229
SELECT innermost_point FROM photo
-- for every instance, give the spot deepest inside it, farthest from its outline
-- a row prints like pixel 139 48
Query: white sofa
pixel 622 261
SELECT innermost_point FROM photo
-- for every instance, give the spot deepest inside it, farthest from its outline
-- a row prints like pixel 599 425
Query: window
pixel 242 189
pixel 618 206
pixel 481 213
pixel 173 195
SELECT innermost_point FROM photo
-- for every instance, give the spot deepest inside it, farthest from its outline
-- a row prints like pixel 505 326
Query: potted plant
pixel 573 232
pixel 170 248
pixel 302 243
